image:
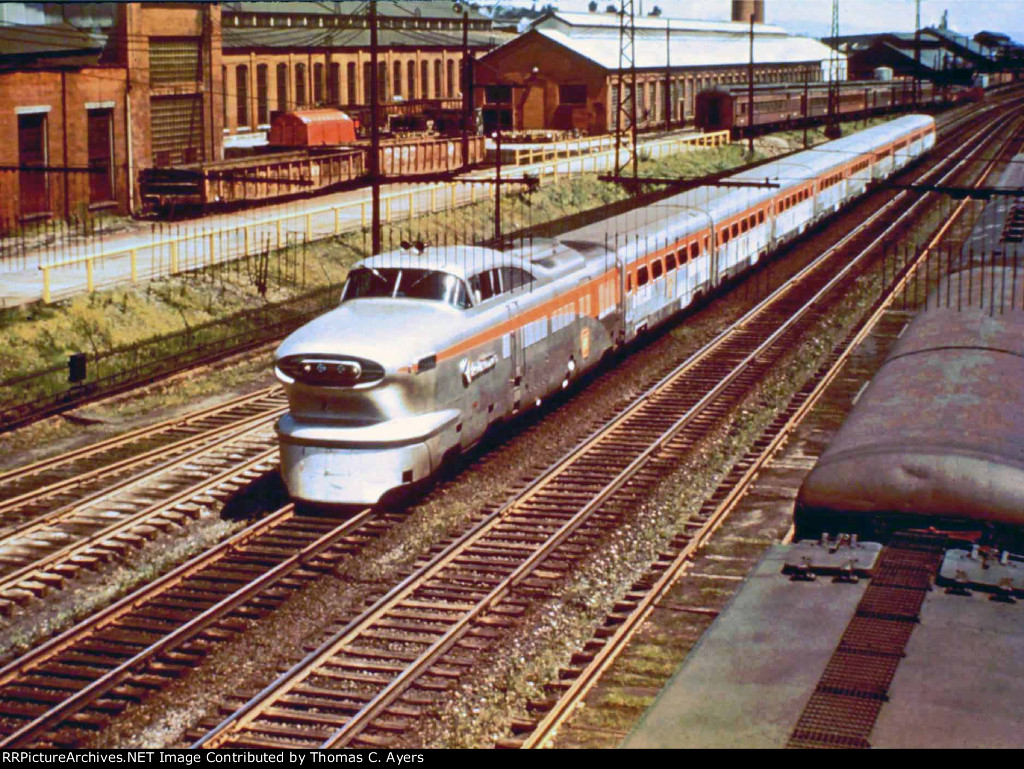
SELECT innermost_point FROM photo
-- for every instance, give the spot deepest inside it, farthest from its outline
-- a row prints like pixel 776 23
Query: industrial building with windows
pixel 563 72
pixel 279 57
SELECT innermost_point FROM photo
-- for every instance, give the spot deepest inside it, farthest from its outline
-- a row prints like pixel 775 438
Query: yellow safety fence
pixel 208 246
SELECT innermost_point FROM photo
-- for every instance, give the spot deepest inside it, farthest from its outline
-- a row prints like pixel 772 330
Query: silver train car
pixel 937 438
pixel 427 350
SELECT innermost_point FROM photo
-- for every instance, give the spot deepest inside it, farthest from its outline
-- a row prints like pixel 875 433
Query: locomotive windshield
pixel 408 283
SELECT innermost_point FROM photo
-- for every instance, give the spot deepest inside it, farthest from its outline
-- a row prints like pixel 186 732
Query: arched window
pixel 450 82
pixel 318 83
pixel 396 79
pixel 437 79
pixel 410 69
pixel 424 80
pixel 334 84
pixel 300 85
pixel 262 95
pixel 242 95
pixel 282 87
pixel 353 86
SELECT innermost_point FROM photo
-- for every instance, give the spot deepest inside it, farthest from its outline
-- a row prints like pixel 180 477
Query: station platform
pixel 746 683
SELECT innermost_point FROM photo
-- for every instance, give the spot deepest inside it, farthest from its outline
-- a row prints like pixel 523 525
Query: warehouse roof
pixel 317 37
pixel 22 45
pixel 693 43
pixel 427 9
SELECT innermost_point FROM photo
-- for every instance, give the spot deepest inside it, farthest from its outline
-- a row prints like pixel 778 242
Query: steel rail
pixel 69 511
pixel 618 641
pixel 205 442
pixel 142 432
pixel 12 579
pixel 379 703
pixel 81 699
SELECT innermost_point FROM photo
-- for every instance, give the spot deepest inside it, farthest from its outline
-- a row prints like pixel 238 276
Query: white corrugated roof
pixel 694 43
pixel 607 21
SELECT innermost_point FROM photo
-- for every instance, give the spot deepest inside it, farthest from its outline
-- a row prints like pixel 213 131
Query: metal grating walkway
pixel 845 704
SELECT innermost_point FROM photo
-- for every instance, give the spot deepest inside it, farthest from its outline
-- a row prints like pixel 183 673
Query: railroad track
pixel 93 671
pixel 35 706
pixel 40 554
pixel 375 677
pixel 33 490
pixel 630 612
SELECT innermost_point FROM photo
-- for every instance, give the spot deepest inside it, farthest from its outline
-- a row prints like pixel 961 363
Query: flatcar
pixel 323 154
pixel 937 438
pixel 783 105
pixel 427 350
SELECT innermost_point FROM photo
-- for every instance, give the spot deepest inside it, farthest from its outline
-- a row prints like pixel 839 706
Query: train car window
pixel 642 277
pixel 485 285
pixel 725 236
pixel 753 221
pixel 735 229
pixel 670 262
pixel 656 269
pixel 694 250
pixel 743 226
pixel 629 282
pixel 513 278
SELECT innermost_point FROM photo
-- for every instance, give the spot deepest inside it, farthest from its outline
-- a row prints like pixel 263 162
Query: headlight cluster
pixel 331 371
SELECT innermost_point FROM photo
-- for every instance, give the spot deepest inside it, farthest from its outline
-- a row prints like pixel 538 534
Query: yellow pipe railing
pixel 550 169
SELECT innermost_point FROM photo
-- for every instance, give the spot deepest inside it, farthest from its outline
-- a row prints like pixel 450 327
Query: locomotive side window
pixel 642 277
pixel 513 278
pixel 694 250
pixel 735 229
pixel 760 216
pixel 656 269
pixel 743 226
pixel 670 262
pixel 486 285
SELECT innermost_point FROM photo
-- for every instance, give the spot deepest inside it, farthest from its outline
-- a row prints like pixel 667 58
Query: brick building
pixel 91 105
pixel 563 72
pixel 61 107
pixel 284 56
pixel 173 55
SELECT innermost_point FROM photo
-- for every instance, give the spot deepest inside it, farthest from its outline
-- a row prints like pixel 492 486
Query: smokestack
pixel 743 9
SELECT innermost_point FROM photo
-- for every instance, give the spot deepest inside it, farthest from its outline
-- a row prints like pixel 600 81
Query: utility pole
pixel 750 91
pixel 917 53
pixel 467 88
pixel 668 75
pixel 627 102
pixel 374 133
pixel 832 129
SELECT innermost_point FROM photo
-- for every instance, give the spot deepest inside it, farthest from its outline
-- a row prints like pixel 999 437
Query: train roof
pixel 747 681
pixel 739 89
pixel 939 431
pixel 695 209
pixel 462 261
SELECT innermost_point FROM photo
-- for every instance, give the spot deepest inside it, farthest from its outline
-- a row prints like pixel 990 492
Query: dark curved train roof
pixel 938 436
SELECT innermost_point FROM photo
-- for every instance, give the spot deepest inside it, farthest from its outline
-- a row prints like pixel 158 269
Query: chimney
pixel 743 9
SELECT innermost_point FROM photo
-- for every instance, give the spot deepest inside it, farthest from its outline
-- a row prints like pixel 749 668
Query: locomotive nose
pixel 360 341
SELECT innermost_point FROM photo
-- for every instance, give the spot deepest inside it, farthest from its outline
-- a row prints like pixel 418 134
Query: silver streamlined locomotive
pixel 427 350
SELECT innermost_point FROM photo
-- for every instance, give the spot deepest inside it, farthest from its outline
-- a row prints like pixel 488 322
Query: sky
pixel 814 17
